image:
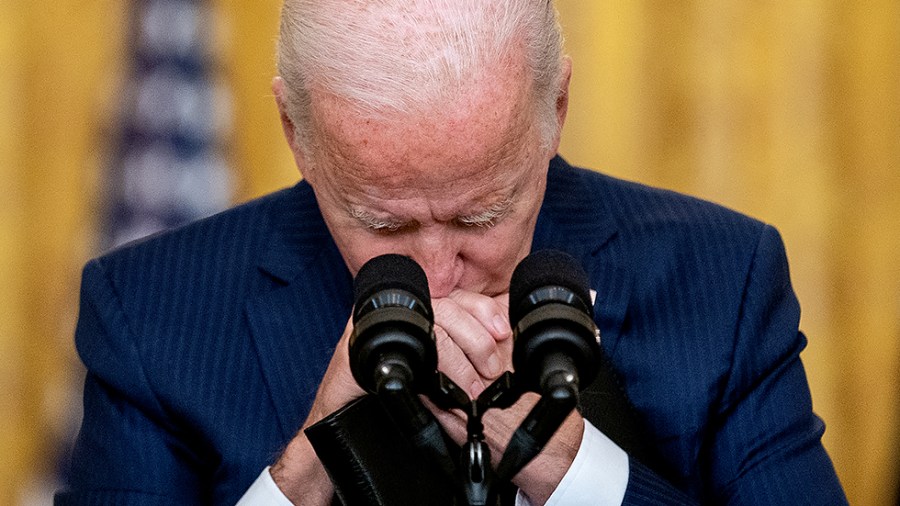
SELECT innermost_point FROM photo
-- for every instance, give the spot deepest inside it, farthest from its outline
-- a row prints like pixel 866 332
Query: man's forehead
pixel 448 183
pixel 462 137
pixel 495 97
pixel 444 195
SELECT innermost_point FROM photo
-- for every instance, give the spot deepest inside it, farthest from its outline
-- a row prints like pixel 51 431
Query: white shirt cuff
pixel 598 475
pixel 264 491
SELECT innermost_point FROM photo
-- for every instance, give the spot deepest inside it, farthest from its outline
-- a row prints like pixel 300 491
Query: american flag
pixel 167 166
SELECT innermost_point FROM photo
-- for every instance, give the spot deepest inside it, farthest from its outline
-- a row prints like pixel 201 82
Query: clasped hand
pixel 474 343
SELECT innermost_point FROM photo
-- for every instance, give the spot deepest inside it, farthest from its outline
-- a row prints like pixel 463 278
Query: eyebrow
pixel 489 216
pixel 486 218
pixel 373 222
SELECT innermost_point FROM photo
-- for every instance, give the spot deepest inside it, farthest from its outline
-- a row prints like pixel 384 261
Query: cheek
pixel 359 248
pixel 485 251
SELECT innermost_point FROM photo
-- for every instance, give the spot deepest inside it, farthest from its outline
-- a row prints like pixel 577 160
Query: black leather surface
pixel 371 463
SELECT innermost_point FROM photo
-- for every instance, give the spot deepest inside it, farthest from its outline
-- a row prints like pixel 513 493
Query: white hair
pixel 408 56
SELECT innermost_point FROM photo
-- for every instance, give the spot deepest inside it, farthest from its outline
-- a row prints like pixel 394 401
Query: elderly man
pixel 430 128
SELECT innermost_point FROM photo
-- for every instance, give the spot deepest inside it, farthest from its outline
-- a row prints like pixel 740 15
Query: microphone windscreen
pixel 391 271
pixel 545 268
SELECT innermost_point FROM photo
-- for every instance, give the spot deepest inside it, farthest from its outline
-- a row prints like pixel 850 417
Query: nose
pixel 439 255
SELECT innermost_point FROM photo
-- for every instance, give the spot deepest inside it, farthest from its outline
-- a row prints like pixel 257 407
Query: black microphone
pixel 393 352
pixel 556 348
pixel 392 345
pixel 556 341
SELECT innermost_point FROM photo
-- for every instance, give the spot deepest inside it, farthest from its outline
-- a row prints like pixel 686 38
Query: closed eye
pixel 377 224
pixel 487 218
pixel 480 222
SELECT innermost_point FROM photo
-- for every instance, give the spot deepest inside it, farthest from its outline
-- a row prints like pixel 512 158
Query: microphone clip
pixel 475 473
pixel 478 478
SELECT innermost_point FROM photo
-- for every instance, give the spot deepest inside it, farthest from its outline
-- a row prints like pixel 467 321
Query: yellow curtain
pixel 56 63
pixel 788 111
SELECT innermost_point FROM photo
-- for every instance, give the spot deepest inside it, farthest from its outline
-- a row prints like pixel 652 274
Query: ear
pixel 287 125
pixel 562 100
pixel 562 104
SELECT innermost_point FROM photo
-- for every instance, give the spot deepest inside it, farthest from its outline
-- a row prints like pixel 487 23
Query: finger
pixel 505 345
pixel 500 305
pixel 455 365
pixel 339 367
pixel 491 312
pixel 470 335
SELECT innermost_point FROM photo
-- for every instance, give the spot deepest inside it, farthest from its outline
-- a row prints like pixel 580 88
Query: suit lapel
pixel 578 221
pixel 578 218
pixel 296 325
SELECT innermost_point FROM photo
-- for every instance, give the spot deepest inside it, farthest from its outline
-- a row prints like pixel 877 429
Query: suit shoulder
pixel 232 228
pixel 214 253
pixel 636 207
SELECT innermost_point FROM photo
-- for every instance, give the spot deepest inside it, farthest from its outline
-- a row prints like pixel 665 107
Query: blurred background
pixel 118 118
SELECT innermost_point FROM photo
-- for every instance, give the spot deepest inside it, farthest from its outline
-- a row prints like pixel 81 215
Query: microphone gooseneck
pixel 556 348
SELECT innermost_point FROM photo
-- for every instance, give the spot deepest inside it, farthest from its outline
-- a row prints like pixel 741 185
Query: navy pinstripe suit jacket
pixel 204 346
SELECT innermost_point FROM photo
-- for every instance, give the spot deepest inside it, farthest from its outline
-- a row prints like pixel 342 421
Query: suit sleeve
pixel 763 445
pixel 126 451
pixel 767 446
